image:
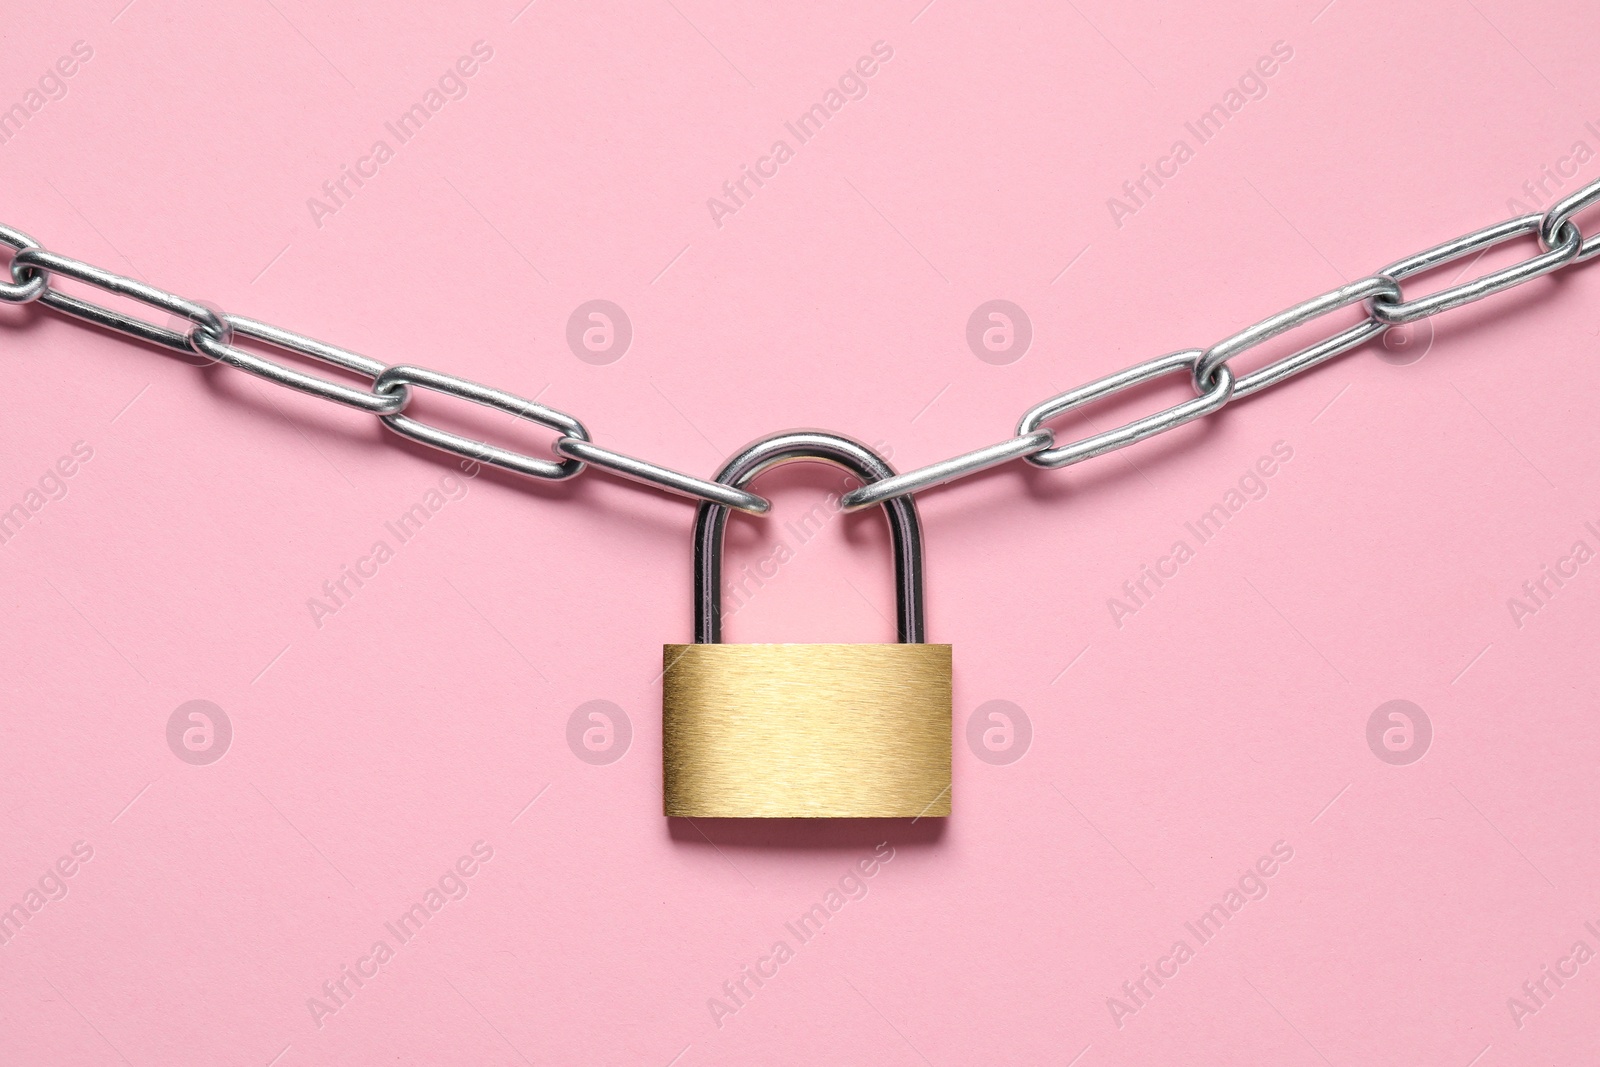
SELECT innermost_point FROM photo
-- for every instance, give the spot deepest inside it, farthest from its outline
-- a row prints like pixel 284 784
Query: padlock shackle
pixel 711 523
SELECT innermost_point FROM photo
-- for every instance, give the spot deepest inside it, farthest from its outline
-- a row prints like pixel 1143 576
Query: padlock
pixel 799 730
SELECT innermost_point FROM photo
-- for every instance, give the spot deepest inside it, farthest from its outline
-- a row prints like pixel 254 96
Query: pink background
pixel 1168 754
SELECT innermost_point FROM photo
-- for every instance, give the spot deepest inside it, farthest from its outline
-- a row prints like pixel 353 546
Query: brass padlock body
pixel 818 731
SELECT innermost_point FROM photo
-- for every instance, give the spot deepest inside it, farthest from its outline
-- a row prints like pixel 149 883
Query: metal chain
pixel 1216 383
pixel 212 333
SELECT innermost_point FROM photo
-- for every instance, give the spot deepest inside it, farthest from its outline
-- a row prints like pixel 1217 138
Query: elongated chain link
pixel 1216 383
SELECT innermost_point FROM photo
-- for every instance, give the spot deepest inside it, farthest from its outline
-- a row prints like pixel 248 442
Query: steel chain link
pixel 212 334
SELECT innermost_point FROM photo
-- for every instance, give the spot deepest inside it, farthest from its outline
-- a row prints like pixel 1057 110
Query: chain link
pixel 368 400
pixel 401 375
pixel 21 291
pixel 672 481
pixel 1216 393
pixel 1298 315
pixel 1560 213
pixel 29 260
pixel 212 334
pixel 1396 312
pixel 1019 447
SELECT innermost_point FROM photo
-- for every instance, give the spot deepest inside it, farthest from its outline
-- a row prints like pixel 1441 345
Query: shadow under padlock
pixel 808 731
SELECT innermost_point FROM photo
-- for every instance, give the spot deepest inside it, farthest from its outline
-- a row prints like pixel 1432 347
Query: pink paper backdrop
pixel 416 746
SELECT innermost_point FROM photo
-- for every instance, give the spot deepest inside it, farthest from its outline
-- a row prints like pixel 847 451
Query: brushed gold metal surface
pixel 808 731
